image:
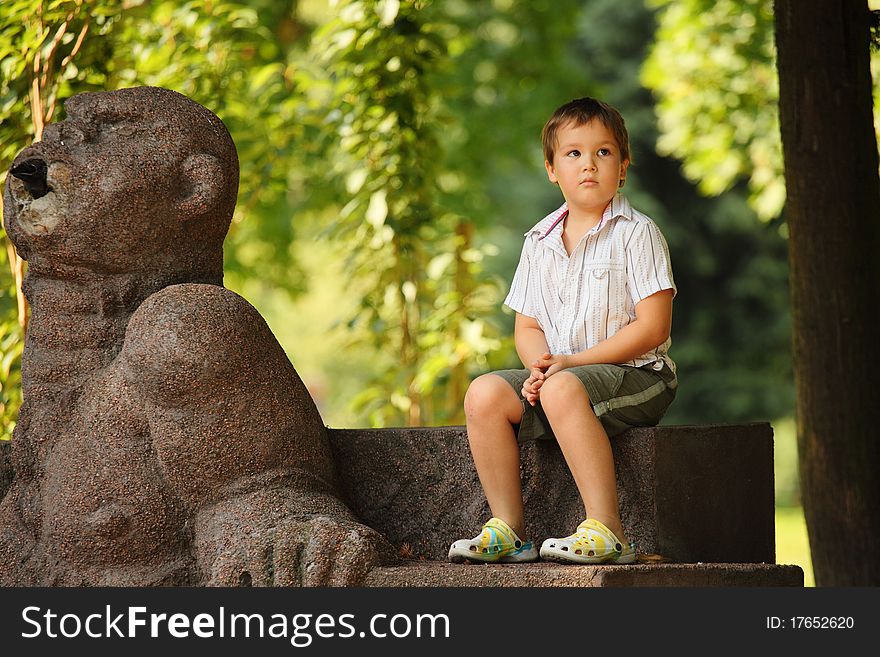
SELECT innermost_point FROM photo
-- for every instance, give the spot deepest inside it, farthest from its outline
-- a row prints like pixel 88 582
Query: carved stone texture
pixel 164 437
pixel 687 494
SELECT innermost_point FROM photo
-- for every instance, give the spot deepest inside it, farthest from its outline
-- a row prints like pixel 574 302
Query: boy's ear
pixel 551 173
pixel 623 167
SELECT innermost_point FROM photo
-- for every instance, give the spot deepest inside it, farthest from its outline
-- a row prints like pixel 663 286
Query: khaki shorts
pixel 622 397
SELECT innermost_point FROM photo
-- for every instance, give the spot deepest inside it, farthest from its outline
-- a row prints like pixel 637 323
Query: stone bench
pixel 688 494
pixel 699 500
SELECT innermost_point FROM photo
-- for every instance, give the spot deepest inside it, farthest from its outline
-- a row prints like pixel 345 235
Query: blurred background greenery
pixel 391 162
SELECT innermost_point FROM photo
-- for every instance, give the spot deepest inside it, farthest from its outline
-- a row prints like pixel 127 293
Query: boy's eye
pixel 604 151
pixel 573 154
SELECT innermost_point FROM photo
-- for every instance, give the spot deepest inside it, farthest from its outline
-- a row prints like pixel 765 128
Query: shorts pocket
pixel 602 381
pixel 642 400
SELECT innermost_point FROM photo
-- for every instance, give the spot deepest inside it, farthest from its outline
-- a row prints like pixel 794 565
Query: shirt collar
pixel 619 207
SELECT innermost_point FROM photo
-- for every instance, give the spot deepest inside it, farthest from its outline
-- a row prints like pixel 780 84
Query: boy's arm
pixel 531 343
pixel 530 340
pixel 650 329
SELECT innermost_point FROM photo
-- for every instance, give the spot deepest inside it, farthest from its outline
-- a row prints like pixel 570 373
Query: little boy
pixel 593 299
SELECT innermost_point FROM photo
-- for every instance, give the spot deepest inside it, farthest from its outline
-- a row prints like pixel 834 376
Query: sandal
pixel 591 543
pixel 497 543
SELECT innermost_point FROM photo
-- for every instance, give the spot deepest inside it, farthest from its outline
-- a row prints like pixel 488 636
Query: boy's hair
pixel 579 112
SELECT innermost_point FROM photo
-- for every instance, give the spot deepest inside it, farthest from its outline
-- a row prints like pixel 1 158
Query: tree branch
pixel 77 45
pixel 50 110
pixel 36 100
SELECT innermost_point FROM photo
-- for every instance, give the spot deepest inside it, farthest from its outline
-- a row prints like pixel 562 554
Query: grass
pixel 792 546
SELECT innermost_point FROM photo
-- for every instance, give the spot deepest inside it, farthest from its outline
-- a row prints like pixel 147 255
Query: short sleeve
pixel 520 298
pixel 648 266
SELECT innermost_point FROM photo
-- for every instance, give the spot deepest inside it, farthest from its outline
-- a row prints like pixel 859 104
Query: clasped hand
pixel 544 367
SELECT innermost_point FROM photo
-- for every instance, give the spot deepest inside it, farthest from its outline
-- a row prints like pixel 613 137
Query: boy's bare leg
pixel 585 446
pixel 492 408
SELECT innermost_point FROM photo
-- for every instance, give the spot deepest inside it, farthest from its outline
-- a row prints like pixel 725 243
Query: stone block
pixel 689 494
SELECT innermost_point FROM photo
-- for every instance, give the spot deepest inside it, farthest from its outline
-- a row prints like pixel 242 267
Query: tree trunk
pixel 833 213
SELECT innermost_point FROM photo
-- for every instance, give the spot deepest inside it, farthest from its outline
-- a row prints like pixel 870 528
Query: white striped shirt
pixel 582 299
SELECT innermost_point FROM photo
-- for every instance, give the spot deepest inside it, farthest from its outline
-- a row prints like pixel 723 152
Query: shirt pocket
pixel 601 269
pixel 605 281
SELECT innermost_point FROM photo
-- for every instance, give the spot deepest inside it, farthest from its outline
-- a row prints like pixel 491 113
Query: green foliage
pixel 713 68
pixel 44 39
pixel 422 299
pixel 875 30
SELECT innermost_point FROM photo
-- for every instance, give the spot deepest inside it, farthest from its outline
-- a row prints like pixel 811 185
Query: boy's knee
pixel 561 390
pixel 485 394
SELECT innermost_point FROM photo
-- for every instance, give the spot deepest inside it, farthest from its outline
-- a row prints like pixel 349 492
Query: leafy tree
pixel 422 298
pixel 712 68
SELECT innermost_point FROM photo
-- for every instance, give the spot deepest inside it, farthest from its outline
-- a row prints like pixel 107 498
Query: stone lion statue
pixel 164 437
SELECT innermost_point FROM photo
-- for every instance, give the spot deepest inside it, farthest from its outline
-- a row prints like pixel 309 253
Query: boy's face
pixel 587 166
